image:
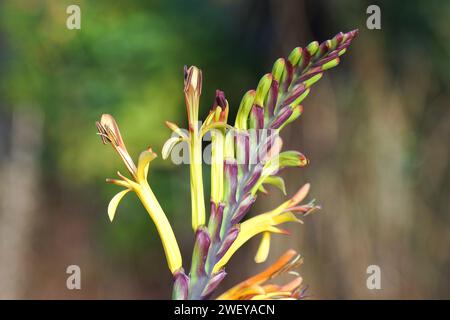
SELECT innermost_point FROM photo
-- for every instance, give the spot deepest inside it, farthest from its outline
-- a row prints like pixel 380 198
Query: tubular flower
pixel 246 158
pixel 267 223
pixel 255 288
pixel 110 133
pixel 192 92
pixel 218 116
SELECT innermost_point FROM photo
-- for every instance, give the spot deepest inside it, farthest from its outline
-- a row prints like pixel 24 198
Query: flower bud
pixel 180 285
pixel 278 69
pixel 213 283
pixel 295 55
pixel 263 89
pixel 199 255
pixel 228 241
pixel 244 110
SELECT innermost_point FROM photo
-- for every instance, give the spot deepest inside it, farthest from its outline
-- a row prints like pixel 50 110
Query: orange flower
pixel 257 288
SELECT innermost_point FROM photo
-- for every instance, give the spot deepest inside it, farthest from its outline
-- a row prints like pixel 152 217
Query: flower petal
pixel 264 247
pixel 112 206
pixel 277 182
pixel 168 146
pixel 144 159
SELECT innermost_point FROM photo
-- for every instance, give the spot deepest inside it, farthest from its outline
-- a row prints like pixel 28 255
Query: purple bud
pixel 311 73
pixel 243 207
pixel 253 179
pixel 215 220
pixel 328 58
pixel 180 285
pixel 243 149
pixel 323 49
pixel 257 117
pixel 230 179
pixel 289 74
pixel 344 45
pixel 297 92
pixel 353 33
pixel 199 255
pixel 272 98
pixel 339 37
pixel 266 144
pixel 228 241
pixel 220 100
pixel 306 58
pixel 213 283
pixel 282 117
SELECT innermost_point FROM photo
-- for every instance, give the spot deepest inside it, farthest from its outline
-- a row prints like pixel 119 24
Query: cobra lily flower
pixel 110 133
pixel 246 158
pixel 256 287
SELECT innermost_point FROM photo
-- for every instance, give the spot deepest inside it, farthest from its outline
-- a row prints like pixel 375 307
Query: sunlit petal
pixel 144 160
pixel 112 206
pixel 263 249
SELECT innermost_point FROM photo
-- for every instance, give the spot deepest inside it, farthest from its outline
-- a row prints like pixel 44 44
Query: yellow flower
pixel 256 287
pixel 215 122
pixel 110 133
pixel 267 223
pixel 192 92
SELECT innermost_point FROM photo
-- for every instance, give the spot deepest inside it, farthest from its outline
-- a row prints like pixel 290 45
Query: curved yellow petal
pixel 112 206
pixel 264 247
pixel 265 222
pixel 144 159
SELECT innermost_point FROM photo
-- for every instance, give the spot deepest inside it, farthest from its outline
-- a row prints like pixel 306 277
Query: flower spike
pixel 246 158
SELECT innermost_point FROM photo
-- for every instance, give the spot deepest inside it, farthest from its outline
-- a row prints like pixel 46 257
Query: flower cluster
pixel 246 157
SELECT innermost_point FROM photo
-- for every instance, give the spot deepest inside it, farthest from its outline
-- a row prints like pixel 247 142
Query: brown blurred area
pixel 376 131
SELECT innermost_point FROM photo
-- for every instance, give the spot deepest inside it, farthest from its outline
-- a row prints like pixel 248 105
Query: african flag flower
pixel 110 133
pixel 257 288
pixel 245 158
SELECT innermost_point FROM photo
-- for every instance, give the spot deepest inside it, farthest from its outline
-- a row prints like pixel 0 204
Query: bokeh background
pixel 376 130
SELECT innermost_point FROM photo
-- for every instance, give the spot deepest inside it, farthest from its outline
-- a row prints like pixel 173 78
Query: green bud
pixel 295 55
pixel 301 98
pixel 263 89
pixel 311 81
pixel 296 112
pixel 282 160
pixel 278 69
pixel 244 110
pixel 330 64
pixel 291 159
pixel 312 47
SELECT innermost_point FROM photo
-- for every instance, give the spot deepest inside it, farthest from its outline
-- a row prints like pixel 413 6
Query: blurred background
pixel 376 130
